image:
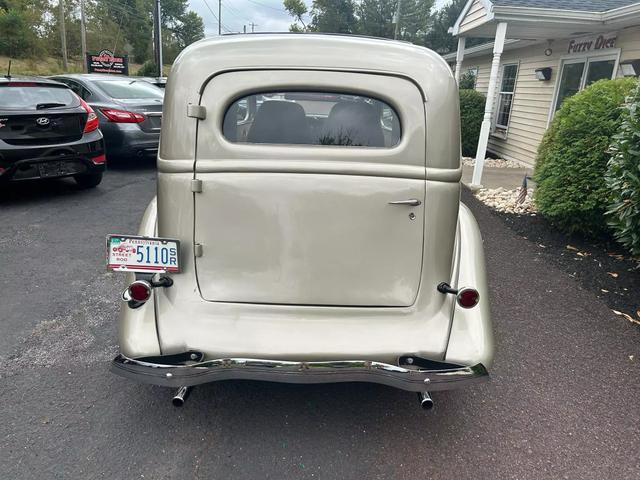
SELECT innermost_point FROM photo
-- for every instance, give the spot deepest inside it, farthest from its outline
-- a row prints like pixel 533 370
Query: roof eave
pixel 529 14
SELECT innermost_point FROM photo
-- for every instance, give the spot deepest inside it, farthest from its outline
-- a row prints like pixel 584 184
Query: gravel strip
pixel 494 163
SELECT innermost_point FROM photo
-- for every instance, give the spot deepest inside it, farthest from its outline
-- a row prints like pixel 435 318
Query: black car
pixel 47 131
pixel 129 110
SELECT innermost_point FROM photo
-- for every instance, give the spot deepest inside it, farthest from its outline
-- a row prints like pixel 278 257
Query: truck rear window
pixel 312 118
pixel 34 97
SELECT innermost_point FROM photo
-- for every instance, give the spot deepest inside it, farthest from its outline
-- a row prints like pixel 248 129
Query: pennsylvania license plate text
pixel 142 254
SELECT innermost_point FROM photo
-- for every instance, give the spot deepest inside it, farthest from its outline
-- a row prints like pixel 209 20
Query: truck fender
pixel 137 332
pixel 471 336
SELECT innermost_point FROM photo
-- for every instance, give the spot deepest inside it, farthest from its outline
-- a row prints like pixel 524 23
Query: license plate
pixel 127 253
pixel 53 169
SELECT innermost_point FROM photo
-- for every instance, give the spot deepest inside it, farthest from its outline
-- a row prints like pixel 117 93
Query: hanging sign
pixel 593 43
pixel 107 62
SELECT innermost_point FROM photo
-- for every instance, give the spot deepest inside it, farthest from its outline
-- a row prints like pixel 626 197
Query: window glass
pixel 569 81
pixel 130 89
pixel 312 118
pixel 600 70
pixel 507 89
pixel 31 97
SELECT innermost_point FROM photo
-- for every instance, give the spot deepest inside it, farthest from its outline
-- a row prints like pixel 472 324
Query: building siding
pixel 475 16
pixel 533 99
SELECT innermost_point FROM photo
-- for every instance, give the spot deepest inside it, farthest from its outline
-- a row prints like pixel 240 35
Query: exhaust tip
pixel 180 397
pixel 426 402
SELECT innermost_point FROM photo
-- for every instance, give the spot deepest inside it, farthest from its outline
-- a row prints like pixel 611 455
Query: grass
pixel 50 66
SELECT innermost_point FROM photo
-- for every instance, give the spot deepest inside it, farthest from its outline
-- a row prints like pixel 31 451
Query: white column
pixel 459 57
pixel 481 153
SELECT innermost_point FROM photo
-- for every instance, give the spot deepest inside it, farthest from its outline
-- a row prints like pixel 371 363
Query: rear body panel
pixel 42 127
pixel 46 140
pixel 252 215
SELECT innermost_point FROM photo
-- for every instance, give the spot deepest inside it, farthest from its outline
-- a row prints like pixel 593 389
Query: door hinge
pixel 197 249
pixel 196 186
pixel 196 111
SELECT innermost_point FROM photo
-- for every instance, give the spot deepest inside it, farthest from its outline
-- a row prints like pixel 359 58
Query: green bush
pixel 572 158
pixel 148 69
pixel 467 81
pixel 623 177
pixel 471 114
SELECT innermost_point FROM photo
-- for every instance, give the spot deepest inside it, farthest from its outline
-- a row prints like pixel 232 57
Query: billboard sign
pixel 107 62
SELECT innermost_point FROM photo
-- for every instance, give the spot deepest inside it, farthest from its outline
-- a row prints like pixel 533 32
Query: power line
pixel 268 6
pixel 235 11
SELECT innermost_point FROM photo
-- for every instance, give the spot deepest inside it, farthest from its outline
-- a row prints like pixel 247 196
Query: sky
pixel 267 15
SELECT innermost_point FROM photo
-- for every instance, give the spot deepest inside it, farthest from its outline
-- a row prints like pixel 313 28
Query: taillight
pixel 99 159
pixel 92 118
pixel 139 291
pixel 468 297
pixel 122 116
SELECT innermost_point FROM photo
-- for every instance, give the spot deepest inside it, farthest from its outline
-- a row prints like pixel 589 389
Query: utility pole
pixel 244 29
pixel 398 12
pixel 219 17
pixel 253 27
pixel 63 37
pixel 157 37
pixel 83 36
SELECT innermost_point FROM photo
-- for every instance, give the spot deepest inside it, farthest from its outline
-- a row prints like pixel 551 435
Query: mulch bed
pixel 601 267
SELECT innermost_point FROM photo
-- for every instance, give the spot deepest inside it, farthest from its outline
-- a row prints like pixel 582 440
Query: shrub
pixel 572 158
pixel 623 177
pixel 471 114
pixel 148 69
pixel 467 81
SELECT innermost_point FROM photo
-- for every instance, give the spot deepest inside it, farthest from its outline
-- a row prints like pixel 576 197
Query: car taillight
pixel 468 297
pixel 99 159
pixel 92 118
pixel 122 116
pixel 140 291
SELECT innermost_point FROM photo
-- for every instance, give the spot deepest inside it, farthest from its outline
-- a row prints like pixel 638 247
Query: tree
pixel 333 16
pixel 375 17
pixel 20 22
pixel 16 38
pixel 415 19
pixel 438 37
pixel 191 29
pixel 297 9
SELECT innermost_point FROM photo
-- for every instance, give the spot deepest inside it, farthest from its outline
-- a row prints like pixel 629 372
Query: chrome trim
pixel 412 202
pixel 441 377
pixel 181 396
pixel 426 402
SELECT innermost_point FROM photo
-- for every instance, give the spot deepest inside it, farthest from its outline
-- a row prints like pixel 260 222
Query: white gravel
pixel 493 163
pixel 505 200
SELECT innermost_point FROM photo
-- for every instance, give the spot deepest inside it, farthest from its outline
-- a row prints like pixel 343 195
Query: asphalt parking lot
pixel 562 403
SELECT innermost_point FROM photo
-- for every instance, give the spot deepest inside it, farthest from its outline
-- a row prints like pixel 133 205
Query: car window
pixel 312 118
pixel 130 89
pixel 26 96
pixel 78 89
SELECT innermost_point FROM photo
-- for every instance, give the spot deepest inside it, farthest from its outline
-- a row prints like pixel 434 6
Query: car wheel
pixel 88 180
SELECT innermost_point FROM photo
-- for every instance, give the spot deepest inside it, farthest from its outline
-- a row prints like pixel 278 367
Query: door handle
pixel 412 202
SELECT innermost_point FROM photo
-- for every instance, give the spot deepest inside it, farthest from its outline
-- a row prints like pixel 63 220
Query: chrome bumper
pixel 171 373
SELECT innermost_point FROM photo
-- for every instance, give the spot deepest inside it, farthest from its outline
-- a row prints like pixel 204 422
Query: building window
pixel 577 74
pixel 505 99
